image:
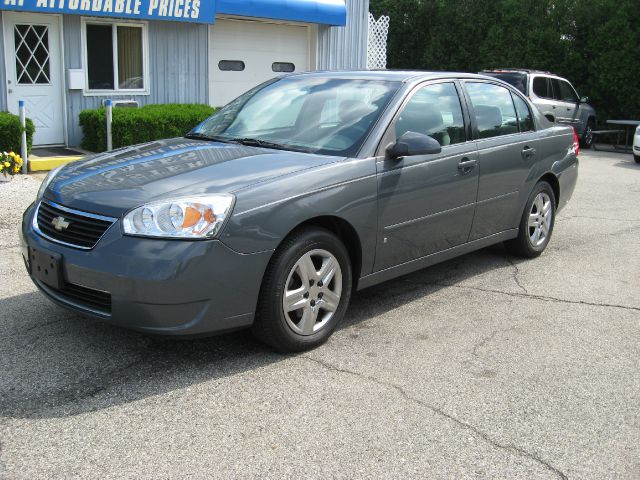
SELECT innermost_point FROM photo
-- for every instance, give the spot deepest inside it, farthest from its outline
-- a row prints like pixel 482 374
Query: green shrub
pixel 131 126
pixel 11 133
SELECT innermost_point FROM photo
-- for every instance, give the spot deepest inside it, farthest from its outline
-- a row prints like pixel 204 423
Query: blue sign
pixel 195 11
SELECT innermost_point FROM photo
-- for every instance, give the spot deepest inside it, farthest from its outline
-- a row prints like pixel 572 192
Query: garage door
pixel 243 54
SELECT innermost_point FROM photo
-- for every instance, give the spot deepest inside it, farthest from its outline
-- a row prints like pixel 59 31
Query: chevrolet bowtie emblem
pixel 59 223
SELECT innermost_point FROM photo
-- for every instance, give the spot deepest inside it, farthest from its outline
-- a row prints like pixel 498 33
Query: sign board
pixel 194 11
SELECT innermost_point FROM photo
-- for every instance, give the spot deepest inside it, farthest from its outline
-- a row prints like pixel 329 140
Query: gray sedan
pixel 274 210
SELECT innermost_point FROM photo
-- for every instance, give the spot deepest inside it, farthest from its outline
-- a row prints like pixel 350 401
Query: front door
pixel 568 103
pixel 426 202
pixel 34 72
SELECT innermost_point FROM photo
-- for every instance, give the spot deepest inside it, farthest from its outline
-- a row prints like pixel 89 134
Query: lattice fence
pixel 377 44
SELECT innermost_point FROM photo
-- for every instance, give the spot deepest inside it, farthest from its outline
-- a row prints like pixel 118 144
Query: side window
pixel 525 121
pixel 541 87
pixel 567 93
pixel 493 107
pixel 555 87
pixel 435 111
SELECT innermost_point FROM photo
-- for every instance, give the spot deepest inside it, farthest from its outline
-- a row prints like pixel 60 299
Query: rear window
pixel 518 80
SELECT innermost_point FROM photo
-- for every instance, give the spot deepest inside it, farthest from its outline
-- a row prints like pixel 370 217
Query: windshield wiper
pixel 256 142
pixel 211 138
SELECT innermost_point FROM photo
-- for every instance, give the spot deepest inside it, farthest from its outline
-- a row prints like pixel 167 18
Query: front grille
pixel 83 230
pixel 95 301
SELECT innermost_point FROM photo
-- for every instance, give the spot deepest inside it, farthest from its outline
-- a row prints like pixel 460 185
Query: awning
pixel 328 12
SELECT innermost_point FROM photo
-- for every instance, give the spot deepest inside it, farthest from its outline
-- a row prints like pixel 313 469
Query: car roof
pixel 391 75
pixel 517 70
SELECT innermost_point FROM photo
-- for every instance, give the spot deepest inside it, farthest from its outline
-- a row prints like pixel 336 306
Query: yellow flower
pixel 7 164
pixel 11 154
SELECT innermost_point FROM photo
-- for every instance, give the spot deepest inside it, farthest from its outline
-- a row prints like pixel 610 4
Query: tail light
pixel 576 143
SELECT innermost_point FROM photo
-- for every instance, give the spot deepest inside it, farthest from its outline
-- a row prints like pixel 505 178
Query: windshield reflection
pixel 320 115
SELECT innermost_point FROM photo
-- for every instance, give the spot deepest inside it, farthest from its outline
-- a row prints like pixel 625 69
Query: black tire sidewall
pixel 270 311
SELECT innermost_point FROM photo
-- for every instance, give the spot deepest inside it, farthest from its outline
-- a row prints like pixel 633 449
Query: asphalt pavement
pixel 486 366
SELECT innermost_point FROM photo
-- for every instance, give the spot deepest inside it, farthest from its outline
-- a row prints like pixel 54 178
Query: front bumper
pixel 157 286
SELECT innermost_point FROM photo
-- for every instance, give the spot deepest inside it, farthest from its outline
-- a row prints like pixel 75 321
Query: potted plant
pixel 10 164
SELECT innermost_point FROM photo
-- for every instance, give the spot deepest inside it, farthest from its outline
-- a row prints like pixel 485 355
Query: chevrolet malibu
pixel 273 211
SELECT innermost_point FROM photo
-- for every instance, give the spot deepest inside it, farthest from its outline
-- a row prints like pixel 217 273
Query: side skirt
pixel 428 260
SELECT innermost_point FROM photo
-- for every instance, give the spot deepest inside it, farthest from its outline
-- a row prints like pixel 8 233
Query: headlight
pixel 189 217
pixel 47 180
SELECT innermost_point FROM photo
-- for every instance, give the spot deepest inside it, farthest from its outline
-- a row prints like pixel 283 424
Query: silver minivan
pixel 555 97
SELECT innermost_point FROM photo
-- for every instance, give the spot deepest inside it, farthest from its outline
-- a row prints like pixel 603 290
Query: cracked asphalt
pixel 486 366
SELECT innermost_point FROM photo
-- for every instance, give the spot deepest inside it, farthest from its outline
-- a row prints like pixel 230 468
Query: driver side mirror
pixel 585 100
pixel 412 143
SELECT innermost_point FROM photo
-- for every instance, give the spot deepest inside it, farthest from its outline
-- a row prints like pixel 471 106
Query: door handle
pixel 553 106
pixel 466 165
pixel 528 152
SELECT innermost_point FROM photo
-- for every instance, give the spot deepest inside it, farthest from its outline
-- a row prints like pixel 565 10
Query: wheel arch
pixel 347 234
pixel 552 180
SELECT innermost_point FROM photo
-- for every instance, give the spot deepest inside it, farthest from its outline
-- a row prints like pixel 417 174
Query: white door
pixel 34 72
pixel 243 54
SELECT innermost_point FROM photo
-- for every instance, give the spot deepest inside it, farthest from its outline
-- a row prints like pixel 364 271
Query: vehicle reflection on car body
pixel 274 210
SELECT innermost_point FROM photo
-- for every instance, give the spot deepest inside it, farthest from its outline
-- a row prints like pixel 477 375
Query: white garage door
pixel 243 54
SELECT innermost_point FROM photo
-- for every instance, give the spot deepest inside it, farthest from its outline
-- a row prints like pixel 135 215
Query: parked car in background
pixel 555 97
pixel 636 145
pixel 271 212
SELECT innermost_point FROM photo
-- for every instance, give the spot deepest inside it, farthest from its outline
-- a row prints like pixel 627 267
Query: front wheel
pixel 305 292
pixel 636 158
pixel 587 135
pixel 536 224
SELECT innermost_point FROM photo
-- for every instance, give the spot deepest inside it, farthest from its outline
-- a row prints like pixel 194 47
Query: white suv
pixel 555 97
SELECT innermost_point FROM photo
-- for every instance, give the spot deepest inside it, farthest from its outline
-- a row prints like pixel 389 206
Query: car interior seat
pixel 489 119
pixel 425 119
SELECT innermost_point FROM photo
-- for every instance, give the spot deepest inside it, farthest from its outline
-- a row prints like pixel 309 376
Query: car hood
pixel 114 182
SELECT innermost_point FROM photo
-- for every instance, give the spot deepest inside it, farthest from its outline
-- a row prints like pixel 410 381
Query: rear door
pixel 507 148
pixel 542 97
pixel 426 202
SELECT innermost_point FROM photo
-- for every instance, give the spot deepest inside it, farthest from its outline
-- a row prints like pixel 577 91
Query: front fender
pixel 266 213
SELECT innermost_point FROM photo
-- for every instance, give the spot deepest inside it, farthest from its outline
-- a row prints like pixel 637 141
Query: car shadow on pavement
pixel 629 163
pixel 59 364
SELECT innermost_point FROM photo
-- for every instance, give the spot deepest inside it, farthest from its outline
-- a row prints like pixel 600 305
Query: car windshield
pixel 328 116
pixel 518 80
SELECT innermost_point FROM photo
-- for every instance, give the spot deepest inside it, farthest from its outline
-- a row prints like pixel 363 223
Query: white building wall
pixel 345 48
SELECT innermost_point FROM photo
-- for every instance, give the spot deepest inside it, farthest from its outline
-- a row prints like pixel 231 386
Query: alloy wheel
pixel 540 218
pixel 312 292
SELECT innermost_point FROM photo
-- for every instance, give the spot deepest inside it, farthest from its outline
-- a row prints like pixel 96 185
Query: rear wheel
pixel 305 292
pixel 636 158
pixel 536 224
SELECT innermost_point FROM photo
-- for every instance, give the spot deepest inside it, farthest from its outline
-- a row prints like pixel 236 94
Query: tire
pixel 321 306
pixel 587 135
pixel 636 158
pixel 533 238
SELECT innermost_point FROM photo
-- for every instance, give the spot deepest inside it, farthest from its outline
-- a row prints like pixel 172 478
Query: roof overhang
pixel 328 12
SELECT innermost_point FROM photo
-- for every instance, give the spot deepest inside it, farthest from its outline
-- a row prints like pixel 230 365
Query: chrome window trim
pixel 36 228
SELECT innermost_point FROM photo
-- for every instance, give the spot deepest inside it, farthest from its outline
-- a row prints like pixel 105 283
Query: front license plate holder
pixel 46 267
